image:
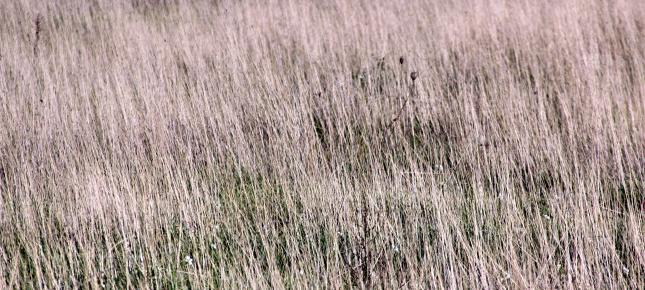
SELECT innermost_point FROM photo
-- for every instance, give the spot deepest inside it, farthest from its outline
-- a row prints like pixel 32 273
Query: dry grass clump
pixel 322 144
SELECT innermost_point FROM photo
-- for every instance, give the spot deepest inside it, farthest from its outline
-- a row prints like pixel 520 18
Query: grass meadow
pixel 297 144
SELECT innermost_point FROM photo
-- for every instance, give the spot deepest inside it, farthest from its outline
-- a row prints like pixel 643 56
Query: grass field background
pixel 322 144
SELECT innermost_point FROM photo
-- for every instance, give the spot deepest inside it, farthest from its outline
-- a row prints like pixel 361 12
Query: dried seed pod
pixel 414 75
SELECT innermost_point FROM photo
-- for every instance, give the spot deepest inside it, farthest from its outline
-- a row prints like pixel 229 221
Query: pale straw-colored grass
pixel 283 144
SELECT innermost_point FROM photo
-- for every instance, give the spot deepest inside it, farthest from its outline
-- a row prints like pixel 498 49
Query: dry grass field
pixel 322 144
